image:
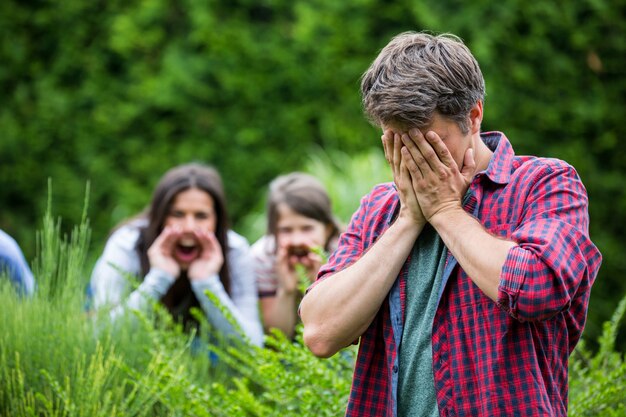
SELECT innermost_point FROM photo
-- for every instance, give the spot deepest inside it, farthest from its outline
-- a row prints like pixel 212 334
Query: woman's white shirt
pixel 116 271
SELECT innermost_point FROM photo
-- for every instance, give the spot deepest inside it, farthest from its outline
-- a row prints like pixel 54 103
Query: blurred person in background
pixel 13 265
pixel 180 247
pixel 301 229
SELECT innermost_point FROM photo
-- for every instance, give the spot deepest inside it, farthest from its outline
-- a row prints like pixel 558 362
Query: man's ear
pixel 476 117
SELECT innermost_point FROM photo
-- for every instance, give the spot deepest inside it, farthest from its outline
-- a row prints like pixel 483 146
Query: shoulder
pixel 382 192
pixel 12 258
pixel 378 205
pixel 239 261
pixel 264 260
pixel 515 171
pixel 238 252
pixel 125 237
pixel 265 245
pixel 263 253
pixel 119 254
pixel 533 168
pixel 9 247
pixel 237 242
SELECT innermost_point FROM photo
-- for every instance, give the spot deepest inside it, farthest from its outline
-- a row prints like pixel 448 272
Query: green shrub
pixel 598 380
pixel 57 359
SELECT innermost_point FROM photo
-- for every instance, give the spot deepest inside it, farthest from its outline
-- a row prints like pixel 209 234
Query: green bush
pixel 58 359
pixel 598 381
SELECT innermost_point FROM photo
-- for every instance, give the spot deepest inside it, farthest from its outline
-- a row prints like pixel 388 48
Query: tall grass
pixel 58 359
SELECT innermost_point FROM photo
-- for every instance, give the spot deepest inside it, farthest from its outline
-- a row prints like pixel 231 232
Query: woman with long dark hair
pixel 181 247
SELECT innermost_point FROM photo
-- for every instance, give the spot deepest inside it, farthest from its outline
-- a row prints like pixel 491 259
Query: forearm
pixel 109 284
pixel 214 315
pixel 480 254
pixel 279 312
pixel 154 286
pixel 339 309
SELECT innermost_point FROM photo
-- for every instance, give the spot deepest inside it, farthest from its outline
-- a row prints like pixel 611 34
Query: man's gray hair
pixel 418 74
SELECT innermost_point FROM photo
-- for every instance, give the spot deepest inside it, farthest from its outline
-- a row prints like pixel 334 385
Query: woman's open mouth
pixel 186 250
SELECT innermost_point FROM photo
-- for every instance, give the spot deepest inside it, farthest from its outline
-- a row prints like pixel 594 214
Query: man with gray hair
pixel 467 279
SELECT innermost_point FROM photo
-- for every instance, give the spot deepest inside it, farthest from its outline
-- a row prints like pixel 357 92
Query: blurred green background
pixel 116 92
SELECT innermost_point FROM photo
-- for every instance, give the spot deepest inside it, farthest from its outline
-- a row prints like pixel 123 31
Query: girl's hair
pixel 305 195
pixel 173 182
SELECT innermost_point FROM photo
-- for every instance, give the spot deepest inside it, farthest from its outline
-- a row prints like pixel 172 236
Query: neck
pixel 482 153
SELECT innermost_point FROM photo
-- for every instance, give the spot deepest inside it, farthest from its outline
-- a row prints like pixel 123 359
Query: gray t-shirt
pixel 416 388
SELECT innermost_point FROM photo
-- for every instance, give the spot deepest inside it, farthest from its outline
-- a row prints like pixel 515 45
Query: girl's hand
pixel 312 262
pixel 161 252
pixel 287 275
pixel 211 257
pixel 288 256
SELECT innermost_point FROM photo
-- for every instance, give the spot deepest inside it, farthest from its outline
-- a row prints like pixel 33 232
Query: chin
pixel 184 266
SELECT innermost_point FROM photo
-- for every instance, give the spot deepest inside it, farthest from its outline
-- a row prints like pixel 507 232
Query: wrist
pixel 201 272
pixel 287 286
pixel 446 215
pixel 163 273
pixel 157 282
pixel 407 220
pixel 286 292
pixel 204 282
pixel 171 268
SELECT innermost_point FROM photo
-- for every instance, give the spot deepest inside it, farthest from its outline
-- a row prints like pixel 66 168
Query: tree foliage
pixel 115 92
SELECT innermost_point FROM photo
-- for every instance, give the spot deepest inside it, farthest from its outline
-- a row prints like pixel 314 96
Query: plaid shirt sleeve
pixel 555 262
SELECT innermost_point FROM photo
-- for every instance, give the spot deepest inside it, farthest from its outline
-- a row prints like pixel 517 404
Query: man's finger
pixel 415 141
pixel 397 156
pixel 387 139
pixel 410 167
pixel 441 150
pixel 414 153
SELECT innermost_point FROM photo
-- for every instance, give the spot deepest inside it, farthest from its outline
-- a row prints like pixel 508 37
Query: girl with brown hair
pixel 300 220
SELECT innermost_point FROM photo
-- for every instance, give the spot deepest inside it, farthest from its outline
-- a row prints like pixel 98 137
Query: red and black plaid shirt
pixel 490 359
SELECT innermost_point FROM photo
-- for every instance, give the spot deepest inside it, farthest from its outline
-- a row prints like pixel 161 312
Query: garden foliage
pixel 59 359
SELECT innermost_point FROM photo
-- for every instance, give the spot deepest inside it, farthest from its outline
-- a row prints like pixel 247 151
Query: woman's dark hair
pixel 180 296
pixel 305 195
